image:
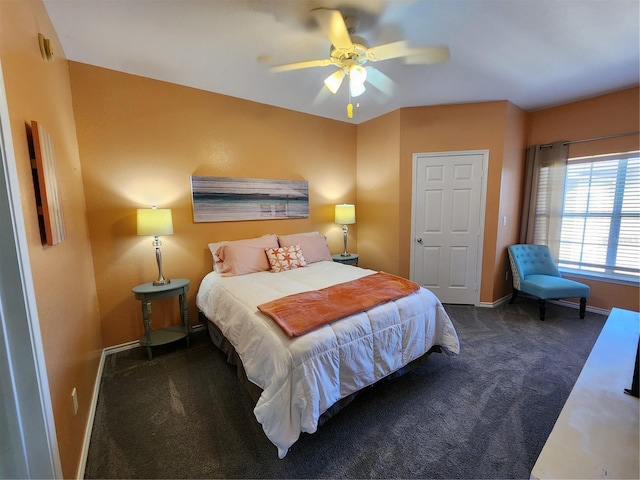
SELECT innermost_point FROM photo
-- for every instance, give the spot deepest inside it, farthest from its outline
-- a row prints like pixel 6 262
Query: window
pixel 600 232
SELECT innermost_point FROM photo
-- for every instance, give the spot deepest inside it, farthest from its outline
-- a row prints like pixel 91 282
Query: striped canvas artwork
pixel 48 196
pixel 226 199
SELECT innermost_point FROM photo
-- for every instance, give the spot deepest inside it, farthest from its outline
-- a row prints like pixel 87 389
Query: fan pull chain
pixel 350 106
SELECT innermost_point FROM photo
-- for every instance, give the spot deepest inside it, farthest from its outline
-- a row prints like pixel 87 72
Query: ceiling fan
pixel 350 53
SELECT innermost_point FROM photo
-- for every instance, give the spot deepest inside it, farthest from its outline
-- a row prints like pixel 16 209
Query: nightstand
pixel 351 259
pixel 147 292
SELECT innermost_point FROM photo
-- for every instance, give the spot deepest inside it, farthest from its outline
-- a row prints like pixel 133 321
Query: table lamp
pixel 345 215
pixel 155 222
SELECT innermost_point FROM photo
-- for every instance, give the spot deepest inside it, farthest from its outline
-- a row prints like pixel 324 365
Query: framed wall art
pixel 46 184
pixel 224 199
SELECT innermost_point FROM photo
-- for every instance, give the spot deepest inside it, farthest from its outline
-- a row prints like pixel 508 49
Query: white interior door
pixel 448 223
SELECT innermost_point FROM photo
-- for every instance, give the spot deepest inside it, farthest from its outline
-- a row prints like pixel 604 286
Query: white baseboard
pixel 121 348
pixel 564 303
pixel 600 311
pixel 96 391
pixel 92 414
pixel 497 303
pixel 129 345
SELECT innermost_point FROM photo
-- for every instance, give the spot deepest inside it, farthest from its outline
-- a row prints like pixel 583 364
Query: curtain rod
pixel 546 145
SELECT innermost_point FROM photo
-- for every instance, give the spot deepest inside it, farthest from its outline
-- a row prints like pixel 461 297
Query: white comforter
pixel 304 376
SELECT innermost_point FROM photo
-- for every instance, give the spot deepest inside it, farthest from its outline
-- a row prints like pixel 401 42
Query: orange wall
pixel 477 126
pixel 605 115
pixel 378 207
pixel 510 198
pixel 63 274
pixel 601 116
pixel 140 141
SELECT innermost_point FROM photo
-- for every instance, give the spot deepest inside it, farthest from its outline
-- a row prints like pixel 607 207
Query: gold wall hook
pixel 46 49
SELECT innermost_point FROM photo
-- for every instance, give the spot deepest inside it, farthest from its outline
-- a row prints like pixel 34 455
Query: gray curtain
pixel 543 199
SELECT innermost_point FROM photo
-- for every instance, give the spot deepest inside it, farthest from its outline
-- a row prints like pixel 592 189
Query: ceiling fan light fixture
pixel 358 74
pixel 350 53
pixel 357 77
pixel 333 81
pixel 356 88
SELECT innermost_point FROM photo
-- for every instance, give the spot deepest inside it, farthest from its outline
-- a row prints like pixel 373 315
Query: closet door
pixel 448 224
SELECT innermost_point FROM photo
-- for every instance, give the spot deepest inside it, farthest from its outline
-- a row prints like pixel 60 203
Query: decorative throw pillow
pixel 285 258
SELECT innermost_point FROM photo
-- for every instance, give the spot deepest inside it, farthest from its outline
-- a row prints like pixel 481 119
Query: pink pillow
pixel 285 258
pixel 245 256
pixel 313 245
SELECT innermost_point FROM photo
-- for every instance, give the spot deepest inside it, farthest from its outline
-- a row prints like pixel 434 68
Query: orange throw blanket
pixel 302 312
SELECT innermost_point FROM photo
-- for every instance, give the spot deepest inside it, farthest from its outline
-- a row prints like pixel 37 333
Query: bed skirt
pixel 220 341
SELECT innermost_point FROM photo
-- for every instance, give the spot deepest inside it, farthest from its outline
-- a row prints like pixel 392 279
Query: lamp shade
pixel 357 77
pixel 334 80
pixel 356 88
pixel 155 221
pixel 358 74
pixel 345 214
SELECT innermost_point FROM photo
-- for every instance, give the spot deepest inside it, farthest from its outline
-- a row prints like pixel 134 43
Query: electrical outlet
pixel 149 308
pixel 74 399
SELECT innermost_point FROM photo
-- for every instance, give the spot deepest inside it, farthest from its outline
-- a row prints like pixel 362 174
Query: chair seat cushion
pixel 551 287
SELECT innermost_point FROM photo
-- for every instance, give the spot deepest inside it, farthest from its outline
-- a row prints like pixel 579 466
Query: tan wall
pixel 63 274
pixel 605 115
pixel 141 140
pixel 378 208
pixel 510 198
pixel 601 116
pixel 478 126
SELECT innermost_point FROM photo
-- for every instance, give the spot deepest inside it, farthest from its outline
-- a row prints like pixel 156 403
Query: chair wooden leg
pixel 542 304
pixel 513 295
pixel 583 306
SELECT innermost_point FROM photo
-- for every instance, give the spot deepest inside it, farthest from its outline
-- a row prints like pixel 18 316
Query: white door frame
pixel 28 443
pixel 483 205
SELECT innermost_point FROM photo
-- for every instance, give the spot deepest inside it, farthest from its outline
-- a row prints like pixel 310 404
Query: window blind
pixel 600 231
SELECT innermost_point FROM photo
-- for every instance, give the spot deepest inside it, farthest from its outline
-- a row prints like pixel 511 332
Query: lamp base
pixel 345 229
pixel 161 280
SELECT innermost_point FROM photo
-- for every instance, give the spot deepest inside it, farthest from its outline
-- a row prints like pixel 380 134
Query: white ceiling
pixel 534 53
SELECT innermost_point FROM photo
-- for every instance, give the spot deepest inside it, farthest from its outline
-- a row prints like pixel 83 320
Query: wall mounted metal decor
pixel 224 199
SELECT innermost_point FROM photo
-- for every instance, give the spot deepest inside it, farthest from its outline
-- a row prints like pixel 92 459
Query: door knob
pixel 419 240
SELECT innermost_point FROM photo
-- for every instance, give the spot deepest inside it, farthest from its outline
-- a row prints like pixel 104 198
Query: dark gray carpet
pixel 483 414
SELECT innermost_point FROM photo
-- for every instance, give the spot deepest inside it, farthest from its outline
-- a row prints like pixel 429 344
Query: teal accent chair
pixel 535 273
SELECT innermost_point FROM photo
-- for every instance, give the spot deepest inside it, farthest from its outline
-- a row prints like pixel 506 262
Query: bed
pixel 298 379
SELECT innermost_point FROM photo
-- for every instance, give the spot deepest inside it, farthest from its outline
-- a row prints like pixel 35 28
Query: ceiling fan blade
pixel 427 55
pixel 323 96
pixel 388 50
pixel 298 65
pixel 333 26
pixel 413 55
pixel 380 81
